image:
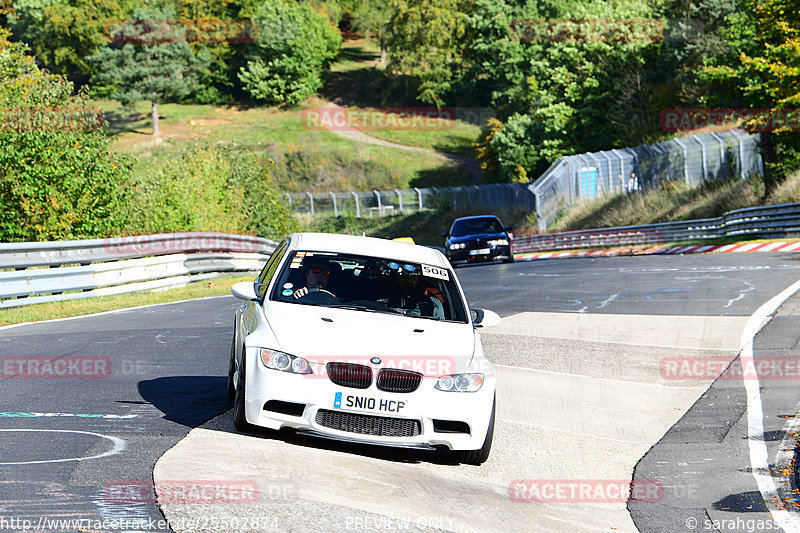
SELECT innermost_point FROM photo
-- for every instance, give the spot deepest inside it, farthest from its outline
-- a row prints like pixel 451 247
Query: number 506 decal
pixel 435 272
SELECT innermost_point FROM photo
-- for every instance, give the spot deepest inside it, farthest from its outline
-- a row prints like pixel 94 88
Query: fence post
pixel 608 169
pixel 311 198
pixel 358 209
pixel 419 197
pixel 702 151
pixel 741 153
pixel 721 148
pixel 399 199
pixel 380 205
pixel 335 210
pixel 685 161
pixel 621 169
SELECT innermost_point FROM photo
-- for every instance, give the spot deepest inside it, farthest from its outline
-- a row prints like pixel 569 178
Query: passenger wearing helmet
pixel 412 295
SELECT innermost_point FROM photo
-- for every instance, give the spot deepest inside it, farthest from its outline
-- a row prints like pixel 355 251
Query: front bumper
pixel 425 405
pixel 493 253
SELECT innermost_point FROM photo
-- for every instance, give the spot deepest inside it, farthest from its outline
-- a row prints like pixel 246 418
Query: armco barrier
pixel 100 267
pixel 774 221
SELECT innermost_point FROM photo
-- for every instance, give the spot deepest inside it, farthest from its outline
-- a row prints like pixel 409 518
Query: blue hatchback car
pixel 478 238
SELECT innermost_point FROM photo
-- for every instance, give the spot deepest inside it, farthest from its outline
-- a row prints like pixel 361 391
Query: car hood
pixel 475 236
pixel 323 334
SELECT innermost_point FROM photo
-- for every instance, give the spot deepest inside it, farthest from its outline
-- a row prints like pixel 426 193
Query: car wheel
pixel 239 417
pixel 231 389
pixel 478 457
pixel 510 258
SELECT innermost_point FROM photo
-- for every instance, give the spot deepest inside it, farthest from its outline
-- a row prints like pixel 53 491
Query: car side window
pixel 269 269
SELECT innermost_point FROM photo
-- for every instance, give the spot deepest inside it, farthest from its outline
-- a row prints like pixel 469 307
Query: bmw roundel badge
pixel 375 361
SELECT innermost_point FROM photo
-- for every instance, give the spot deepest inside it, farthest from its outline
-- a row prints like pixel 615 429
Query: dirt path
pixel 471 165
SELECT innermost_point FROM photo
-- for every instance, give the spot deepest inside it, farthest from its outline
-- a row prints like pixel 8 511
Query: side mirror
pixel 244 290
pixel 485 318
pixel 508 228
pixel 445 234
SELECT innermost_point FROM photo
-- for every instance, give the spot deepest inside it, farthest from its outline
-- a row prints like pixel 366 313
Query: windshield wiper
pixel 364 308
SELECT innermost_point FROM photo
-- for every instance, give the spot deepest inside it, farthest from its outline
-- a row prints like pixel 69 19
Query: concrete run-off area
pixel 580 399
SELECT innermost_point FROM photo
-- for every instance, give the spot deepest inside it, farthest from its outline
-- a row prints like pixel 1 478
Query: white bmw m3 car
pixel 363 340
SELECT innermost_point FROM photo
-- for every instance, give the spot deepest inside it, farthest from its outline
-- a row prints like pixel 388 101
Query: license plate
pixel 356 402
pixel 482 251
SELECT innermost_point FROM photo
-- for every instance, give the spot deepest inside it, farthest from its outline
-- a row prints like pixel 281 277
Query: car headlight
pixel 283 361
pixel 457 246
pixel 460 383
pixel 498 242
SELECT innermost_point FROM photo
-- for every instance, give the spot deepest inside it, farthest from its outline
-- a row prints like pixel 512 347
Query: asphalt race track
pixel 585 396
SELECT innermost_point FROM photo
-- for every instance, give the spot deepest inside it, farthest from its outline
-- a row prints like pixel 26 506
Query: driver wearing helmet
pixel 318 273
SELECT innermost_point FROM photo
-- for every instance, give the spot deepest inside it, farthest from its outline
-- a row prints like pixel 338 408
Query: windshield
pixel 471 226
pixel 370 284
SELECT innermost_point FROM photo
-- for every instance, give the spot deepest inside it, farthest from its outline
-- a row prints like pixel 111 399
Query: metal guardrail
pixel 770 221
pixel 35 272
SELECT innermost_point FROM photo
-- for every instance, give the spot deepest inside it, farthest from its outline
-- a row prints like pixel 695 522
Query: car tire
pixel 509 259
pixel 239 416
pixel 231 389
pixel 478 457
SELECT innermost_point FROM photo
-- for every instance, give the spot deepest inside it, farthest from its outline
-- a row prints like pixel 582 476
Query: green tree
pixel 156 63
pixel 763 73
pixel 58 177
pixel 294 46
pixel 372 19
pixel 62 33
pixel 425 44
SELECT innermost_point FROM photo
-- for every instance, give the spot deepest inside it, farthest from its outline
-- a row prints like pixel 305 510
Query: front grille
pixel 350 375
pixel 382 426
pixel 394 380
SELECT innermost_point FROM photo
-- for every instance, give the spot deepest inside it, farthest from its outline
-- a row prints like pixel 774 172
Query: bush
pixel 58 178
pixel 293 48
pixel 210 188
pixel 523 149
